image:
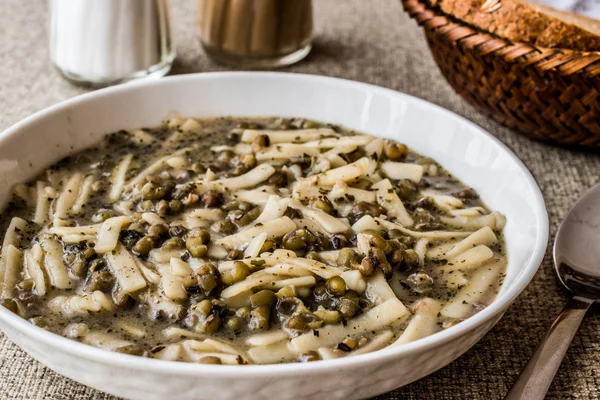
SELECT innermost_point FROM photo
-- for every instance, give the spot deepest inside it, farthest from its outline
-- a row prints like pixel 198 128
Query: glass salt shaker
pixel 105 42
pixel 255 33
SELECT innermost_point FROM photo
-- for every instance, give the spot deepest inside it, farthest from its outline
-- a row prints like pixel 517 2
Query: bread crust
pixel 524 22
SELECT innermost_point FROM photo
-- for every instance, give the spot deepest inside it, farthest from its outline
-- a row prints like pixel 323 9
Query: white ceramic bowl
pixel 467 151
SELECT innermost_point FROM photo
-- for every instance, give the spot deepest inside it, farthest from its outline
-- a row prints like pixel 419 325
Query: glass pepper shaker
pixel 255 33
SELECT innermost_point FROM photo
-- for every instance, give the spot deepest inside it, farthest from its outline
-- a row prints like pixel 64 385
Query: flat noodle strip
pixel 171 352
pixel 190 125
pixel 306 190
pixel 285 151
pixel 42 204
pixel 13 232
pixel 274 208
pixel 469 212
pixel 172 285
pixel 240 148
pixel 267 259
pixel 75 230
pixel 256 196
pixel 163 256
pixel 108 235
pixel 356 140
pixel 483 236
pixel 374 148
pixel 174 332
pixel 423 323
pixel 316 267
pixel 470 259
pixel 176 278
pixel 217 252
pixel 336 151
pixel 251 178
pixel 421 249
pixel 239 300
pixel 287 269
pixel 148 274
pixel 131 329
pixel 123 266
pixel 118 178
pixel 327 353
pixel 365 223
pixel 226 359
pixel 439 251
pixel 354 280
pixel 273 229
pixel 364 243
pixel 378 290
pixel 255 245
pixel 495 220
pixel 445 202
pixel 398 170
pixel 210 214
pixel 67 198
pixel 329 223
pixel 54 264
pixel 295 136
pixel 211 345
pixel 303 281
pixel 267 338
pixel 429 235
pixel 13 262
pixel 273 353
pixel 105 341
pixel 342 191
pixel 388 199
pixel 158 303
pixel 142 137
pixel 25 192
pixel 346 173
pixel 152 218
pixel 72 236
pixel 336 161
pixel 72 306
pixel 124 207
pixel 378 342
pixel 154 167
pixel 249 283
pixel 311 225
pixel 33 265
pixel 455 279
pixel 329 256
pixel 385 314
pixel 84 195
pixel 461 306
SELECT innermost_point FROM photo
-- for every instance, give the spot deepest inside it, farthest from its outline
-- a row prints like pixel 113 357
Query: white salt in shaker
pixel 104 42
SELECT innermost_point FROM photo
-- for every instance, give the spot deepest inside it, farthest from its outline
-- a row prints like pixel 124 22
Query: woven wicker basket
pixel 549 94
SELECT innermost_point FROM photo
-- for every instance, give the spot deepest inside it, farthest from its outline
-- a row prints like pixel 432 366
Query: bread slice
pixel 520 21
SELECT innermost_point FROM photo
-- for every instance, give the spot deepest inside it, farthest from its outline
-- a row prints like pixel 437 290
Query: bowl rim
pixel 498 306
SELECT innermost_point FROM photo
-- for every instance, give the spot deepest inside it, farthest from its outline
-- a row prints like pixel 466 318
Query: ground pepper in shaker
pixel 104 42
pixel 255 33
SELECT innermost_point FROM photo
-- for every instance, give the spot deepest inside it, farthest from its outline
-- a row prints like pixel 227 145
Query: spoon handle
pixel 535 379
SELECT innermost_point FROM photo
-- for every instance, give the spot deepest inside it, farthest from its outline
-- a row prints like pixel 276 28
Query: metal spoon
pixel 577 263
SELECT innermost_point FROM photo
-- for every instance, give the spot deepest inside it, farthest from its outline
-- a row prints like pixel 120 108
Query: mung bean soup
pixel 248 241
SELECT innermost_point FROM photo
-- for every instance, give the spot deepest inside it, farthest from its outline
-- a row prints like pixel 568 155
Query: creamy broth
pixel 248 241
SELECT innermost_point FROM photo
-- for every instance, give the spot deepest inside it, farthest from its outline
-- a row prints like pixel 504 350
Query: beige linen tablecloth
pixel 370 41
